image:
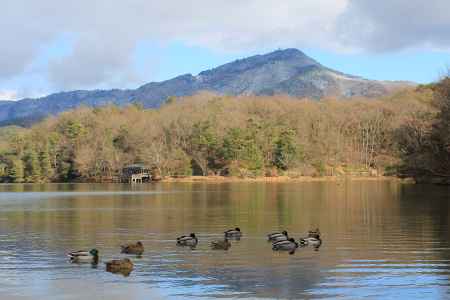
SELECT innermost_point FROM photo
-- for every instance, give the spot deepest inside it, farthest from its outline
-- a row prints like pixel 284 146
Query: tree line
pixel 423 140
pixel 404 133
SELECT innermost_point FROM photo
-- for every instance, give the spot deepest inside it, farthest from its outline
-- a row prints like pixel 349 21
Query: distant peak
pixel 288 51
pixel 286 54
pixel 290 56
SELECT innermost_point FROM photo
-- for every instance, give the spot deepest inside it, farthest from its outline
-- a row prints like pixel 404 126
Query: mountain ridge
pixel 287 71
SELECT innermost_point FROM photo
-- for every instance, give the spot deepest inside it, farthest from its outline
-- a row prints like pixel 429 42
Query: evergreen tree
pixel 285 150
pixel 32 166
pixel 203 145
pixel 16 171
pixel 46 166
pixel 240 146
pixel 253 158
pixel 73 129
pixel 233 144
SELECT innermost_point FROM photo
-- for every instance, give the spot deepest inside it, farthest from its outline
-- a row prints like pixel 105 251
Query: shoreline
pixel 282 179
pixel 235 179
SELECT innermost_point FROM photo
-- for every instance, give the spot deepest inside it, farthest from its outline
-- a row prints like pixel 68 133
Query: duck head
pixel 284 232
pixel 237 229
pixel 94 252
pixel 139 244
pixel 192 235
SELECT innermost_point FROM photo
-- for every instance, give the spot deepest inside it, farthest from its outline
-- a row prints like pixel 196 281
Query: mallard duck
pixel 288 245
pixel 277 236
pixel 314 233
pixel 190 240
pixel 119 266
pixel 302 242
pixel 221 245
pixel 311 241
pixel 136 249
pixel 83 256
pixel 233 233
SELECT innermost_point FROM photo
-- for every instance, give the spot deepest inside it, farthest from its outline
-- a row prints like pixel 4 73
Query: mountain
pixel 287 71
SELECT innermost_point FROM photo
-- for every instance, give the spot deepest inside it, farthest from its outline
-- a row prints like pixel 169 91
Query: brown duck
pixel 136 249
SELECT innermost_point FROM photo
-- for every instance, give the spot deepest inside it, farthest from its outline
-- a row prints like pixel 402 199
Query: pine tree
pixel 240 146
pixel 285 150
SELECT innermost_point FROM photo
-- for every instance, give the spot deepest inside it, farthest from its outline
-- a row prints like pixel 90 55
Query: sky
pixel 48 46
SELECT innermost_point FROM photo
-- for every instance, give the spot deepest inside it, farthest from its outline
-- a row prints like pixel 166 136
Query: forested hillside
pixel 406 133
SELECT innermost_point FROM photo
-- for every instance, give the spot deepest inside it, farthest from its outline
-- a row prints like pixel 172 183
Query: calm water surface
pixel 382 240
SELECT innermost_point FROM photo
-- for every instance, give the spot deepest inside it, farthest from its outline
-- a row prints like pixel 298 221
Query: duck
pixel 288 245
pixel 277 236
pixel 124 266
pixel 314 233
pixel 83 256
pixel 189 240
pixel 316 242
pixel 221 244
pixel 136 249
pixel 233 233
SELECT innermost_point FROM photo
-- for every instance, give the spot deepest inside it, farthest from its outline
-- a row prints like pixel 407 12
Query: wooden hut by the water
pixel 136 173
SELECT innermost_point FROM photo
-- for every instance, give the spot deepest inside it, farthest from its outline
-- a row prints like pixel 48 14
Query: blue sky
pixel 92 44
pixel 420 66
pixel 157 63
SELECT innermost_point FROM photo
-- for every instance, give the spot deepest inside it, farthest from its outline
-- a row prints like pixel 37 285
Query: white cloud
pixel 8 95
pixel 391 25
pixel 106 33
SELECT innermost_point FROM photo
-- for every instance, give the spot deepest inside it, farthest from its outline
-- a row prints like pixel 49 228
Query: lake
pixel 381 240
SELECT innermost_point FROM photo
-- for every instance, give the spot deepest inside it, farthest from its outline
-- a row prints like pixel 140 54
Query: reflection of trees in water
pixel 358 220
pixel 259 208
